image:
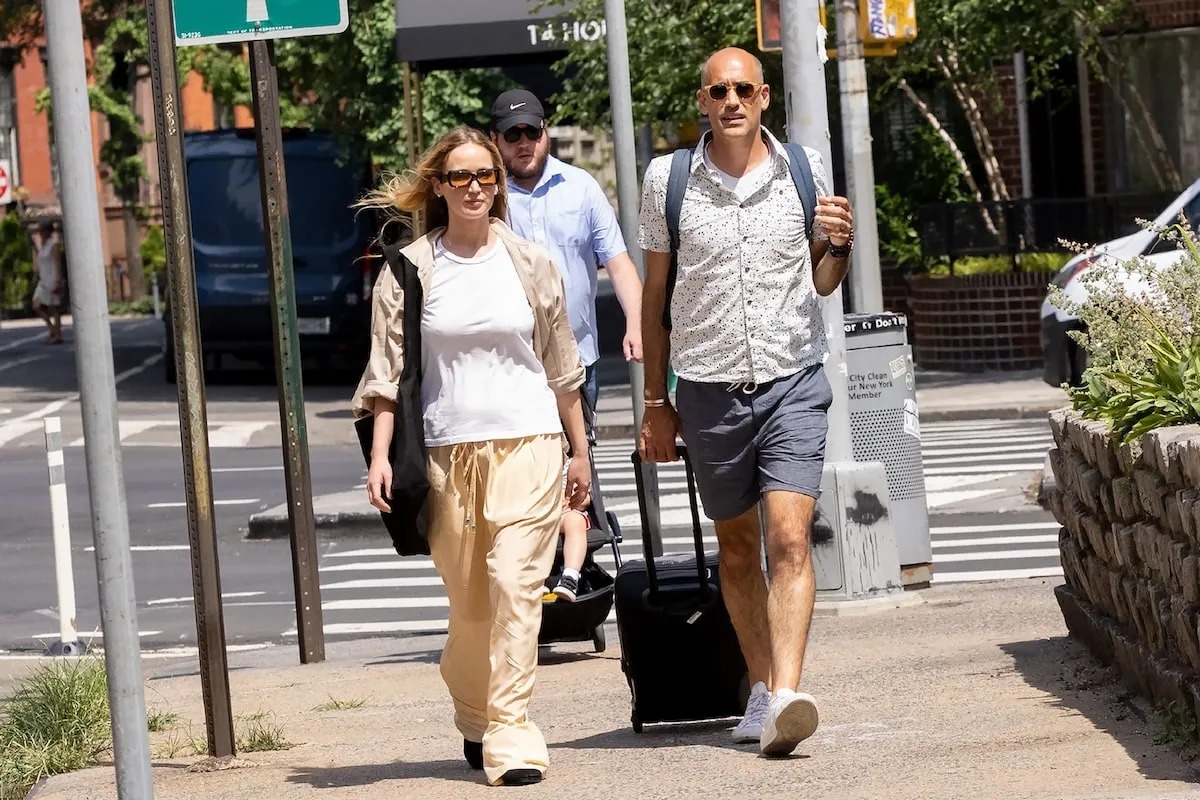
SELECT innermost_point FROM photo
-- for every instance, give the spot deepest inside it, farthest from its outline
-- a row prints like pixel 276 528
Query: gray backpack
pixel 681 162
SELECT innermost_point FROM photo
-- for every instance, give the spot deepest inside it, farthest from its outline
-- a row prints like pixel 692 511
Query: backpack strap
pixel 681 162
pixel 406 275
pixel 806 187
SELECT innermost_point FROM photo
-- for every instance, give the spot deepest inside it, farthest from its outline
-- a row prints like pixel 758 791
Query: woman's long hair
pixel 402 195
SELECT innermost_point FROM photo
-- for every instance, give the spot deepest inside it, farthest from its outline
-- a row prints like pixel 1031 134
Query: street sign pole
pixel 189 372
pixel 264 81
pixel 625 147
pixel 98 403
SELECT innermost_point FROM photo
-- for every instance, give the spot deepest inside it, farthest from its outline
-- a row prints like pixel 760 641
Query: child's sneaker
pixel 567 588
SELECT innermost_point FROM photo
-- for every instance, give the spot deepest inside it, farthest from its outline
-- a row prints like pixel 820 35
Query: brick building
pixel 1083 142
pixel 25 144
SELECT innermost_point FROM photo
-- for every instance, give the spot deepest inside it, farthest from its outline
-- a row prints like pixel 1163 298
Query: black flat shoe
pixel 473 752
pixel 521 777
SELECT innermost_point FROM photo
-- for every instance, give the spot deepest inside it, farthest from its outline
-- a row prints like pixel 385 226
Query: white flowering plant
pixel 1141 338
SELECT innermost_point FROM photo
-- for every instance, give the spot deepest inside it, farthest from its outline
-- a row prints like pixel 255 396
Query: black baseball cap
pixel 517 107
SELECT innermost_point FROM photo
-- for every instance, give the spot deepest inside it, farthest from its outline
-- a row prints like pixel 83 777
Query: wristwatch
pixel 842 250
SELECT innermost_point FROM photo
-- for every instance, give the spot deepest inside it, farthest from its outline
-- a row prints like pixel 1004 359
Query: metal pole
pixel 189 372
pixel 1026 155
pixel 411 145
pixel 98 399
pixel 68 643
pixel 625 151
pixel 808 123
pixel 866 288
pixel 289 378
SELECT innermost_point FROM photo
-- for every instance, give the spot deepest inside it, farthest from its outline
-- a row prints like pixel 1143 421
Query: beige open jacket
pixel 553 341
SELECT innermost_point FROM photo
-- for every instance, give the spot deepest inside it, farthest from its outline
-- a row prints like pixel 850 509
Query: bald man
pixel 748 343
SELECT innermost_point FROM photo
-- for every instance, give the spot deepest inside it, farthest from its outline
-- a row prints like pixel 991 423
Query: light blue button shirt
pixel 568 213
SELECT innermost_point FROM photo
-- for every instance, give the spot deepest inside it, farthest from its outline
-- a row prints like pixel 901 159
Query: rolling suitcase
pixel 679 651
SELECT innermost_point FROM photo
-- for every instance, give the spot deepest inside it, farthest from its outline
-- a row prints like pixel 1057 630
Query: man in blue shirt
pixel 563 208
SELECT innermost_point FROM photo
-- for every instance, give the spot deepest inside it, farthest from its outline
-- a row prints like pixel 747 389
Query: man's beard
pixel 532 171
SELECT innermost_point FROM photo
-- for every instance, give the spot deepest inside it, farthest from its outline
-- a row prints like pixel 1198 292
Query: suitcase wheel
pixel 599 641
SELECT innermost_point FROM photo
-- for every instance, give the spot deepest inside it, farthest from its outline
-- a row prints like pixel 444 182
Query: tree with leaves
pixel 353 85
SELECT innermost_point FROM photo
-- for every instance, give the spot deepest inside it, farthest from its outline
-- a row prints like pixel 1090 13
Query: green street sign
pixel 221 21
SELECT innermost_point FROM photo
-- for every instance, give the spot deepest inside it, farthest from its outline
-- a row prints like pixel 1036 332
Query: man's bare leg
pixel 793 588
pixel 792 716
pixel 745 590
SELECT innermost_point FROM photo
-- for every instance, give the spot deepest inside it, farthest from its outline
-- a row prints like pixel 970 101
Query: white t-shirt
pixel 482 379
pixel 750 182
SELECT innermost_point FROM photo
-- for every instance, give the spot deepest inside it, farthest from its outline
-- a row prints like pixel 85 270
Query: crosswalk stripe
pixel 997 575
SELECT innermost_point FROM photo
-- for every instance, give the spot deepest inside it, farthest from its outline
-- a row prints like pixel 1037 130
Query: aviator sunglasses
pixel 744 89
pixel 513 135
pixel 460 178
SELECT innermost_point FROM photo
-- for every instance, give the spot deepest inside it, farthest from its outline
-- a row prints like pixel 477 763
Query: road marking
pixel 128 428
pixel 997 575
pixel 215 503
pixel 994 555
pixel 277 468
pixel 165 652
pixel 974 452
pixel 984 456
pixel 992 541
pixel 8 431
pixel 981 469
pixel 21 361
pixel 19 342
pixel 235 434
pixel 414 626
pixel 1014 526
pixel 224 596
pixel 383 583
pixel 148 548
pixel 85 637
pixel 386 602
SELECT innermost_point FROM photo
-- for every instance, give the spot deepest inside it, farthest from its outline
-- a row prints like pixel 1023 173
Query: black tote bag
pixel 408 521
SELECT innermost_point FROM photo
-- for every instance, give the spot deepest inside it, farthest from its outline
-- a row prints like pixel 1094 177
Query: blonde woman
pixel 500 374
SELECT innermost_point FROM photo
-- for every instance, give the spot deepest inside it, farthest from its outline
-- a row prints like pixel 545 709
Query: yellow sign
pixel 895 22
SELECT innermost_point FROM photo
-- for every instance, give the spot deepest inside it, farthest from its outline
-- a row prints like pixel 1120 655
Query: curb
pixel 343 523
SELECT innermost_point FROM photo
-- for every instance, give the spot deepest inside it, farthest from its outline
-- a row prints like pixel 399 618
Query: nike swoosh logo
pixel 514 108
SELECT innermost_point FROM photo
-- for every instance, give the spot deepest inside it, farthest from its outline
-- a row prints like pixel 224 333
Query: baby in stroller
pixel 573 526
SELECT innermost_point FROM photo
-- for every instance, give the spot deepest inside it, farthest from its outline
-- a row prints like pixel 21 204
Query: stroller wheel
pixel 598 639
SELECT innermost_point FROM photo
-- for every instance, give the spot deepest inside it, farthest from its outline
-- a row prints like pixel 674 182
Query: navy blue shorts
pixel 744 444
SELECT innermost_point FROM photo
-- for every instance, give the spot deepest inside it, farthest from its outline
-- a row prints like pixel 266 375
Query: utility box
pixel 885 427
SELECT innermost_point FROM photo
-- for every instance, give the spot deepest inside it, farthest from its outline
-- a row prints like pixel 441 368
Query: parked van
pixel 332 276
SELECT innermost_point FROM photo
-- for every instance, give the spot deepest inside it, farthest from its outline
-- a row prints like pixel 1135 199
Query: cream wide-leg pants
pixel 495 510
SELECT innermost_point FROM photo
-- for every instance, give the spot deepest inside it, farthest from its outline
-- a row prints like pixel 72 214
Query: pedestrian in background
pixel 500 378
pixel 564 209
pixel 748 343
pixel 51 281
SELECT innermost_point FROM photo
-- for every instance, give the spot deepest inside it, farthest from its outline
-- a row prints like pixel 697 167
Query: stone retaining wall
pixel 1130 546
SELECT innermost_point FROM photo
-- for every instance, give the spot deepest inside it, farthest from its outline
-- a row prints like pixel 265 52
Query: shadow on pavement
pixel 367 774
pixel 713 733
pixel 1078 683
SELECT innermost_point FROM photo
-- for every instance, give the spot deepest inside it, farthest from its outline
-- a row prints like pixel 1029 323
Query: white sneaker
pixel 751 727
pixel 791 718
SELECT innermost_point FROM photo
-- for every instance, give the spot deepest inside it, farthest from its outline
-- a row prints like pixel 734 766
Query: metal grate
pixel 880 436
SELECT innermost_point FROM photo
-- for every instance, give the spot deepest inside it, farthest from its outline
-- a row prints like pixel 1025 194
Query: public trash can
pixel 885 426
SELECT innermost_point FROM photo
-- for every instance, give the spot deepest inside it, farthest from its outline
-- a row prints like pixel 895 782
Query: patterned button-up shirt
pixel 744 309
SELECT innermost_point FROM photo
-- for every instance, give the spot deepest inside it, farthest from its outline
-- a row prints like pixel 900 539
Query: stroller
pixel 583 620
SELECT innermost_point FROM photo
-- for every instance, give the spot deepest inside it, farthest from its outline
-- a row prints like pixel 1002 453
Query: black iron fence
pixel 954 231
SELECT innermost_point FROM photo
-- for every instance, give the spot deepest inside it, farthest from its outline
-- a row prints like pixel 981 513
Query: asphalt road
pixel 366 590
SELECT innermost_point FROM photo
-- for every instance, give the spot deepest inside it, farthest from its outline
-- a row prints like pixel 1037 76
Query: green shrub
pixel 16 264
pixel 56 721
pixel 999 265
pixel 1143 347
pixel 154 253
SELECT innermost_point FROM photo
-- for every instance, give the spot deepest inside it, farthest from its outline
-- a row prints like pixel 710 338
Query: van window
pixel 227 202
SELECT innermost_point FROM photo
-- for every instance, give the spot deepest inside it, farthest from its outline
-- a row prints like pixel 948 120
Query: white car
pixel 1064 360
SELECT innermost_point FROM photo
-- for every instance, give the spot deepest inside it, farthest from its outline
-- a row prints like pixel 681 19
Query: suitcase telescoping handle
pixel 697 534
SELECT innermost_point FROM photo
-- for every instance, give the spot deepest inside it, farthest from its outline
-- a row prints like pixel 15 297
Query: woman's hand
pixel 379 483
pixel 579 481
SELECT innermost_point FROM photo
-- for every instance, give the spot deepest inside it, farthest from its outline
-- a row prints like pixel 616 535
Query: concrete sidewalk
pixel 975 693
